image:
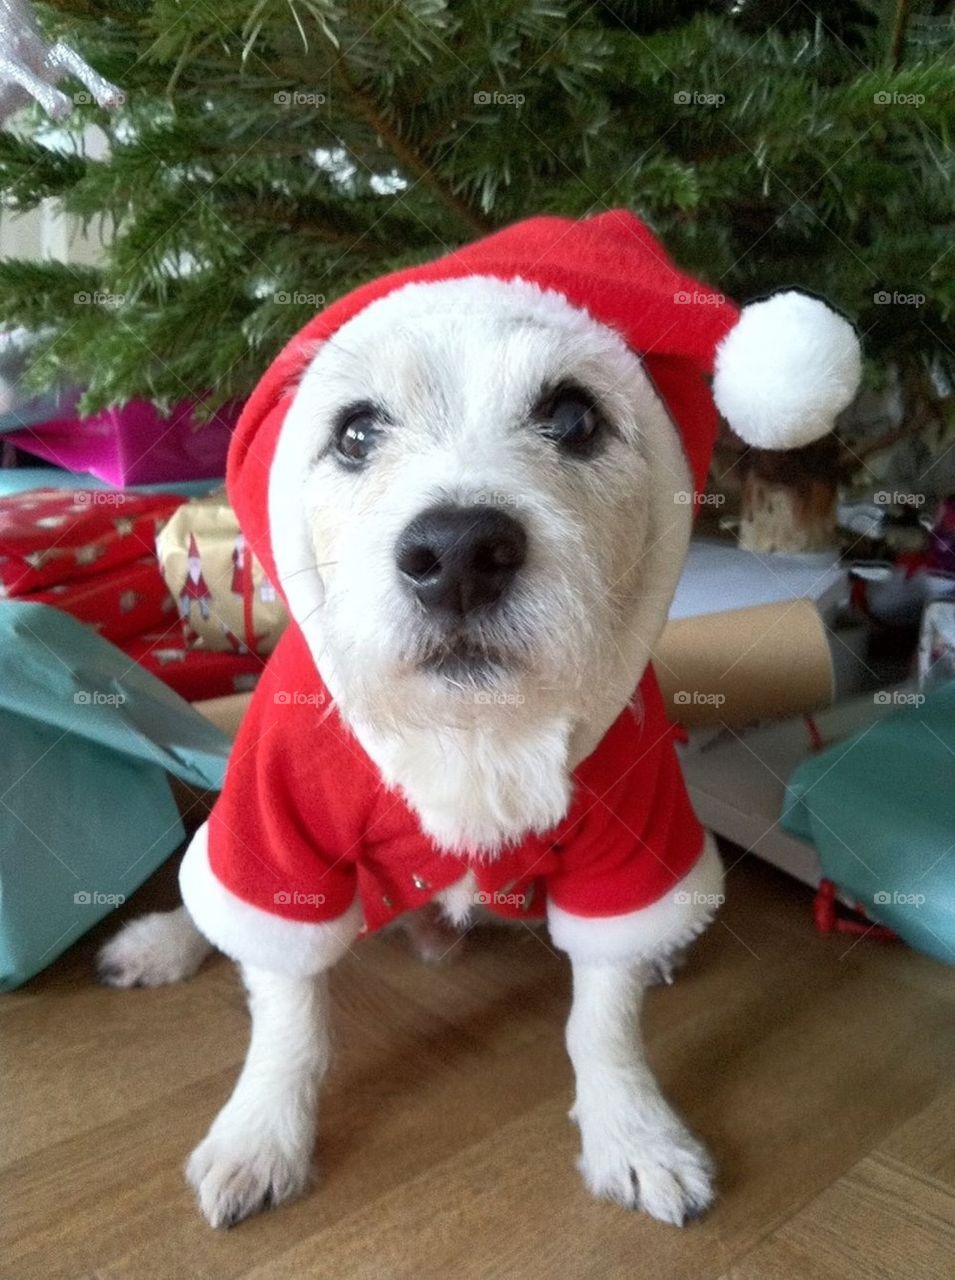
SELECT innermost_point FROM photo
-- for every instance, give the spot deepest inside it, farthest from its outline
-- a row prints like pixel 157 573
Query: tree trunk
pixel 789 499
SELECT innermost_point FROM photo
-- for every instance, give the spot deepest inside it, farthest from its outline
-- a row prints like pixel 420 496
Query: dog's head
pixel 496 503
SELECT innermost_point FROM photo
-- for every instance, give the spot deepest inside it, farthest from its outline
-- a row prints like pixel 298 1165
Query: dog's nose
pixel 457 559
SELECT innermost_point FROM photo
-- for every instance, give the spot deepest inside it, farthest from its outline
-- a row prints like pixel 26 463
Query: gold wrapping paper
pixel 224 599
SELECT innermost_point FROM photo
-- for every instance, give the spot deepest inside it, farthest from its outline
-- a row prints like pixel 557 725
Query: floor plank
pixel 880 1219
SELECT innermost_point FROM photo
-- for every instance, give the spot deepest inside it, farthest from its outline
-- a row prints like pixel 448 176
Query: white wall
pixel 45 232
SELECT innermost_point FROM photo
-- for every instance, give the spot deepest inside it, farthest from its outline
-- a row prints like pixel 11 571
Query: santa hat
pixel 782 368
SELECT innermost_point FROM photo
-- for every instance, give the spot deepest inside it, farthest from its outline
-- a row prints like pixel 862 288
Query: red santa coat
pixel 305 823
pixel 307 835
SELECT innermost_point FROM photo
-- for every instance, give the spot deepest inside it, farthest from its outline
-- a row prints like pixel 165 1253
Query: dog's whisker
pixel 308 568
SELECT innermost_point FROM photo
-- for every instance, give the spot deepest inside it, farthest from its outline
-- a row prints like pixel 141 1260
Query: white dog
pixel 471 482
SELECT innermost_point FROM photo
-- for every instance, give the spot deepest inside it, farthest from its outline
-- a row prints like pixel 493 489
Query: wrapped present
pixel 942 538
pixel 225 600
pixel 18 479
pixel 135 444
pixel 119 604
pixel 48 536
pixel 88 812
pixel 195 674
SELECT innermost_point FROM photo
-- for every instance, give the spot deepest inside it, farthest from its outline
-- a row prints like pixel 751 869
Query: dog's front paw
pixel 236 1174
pixel 153 950
pixel 660 1168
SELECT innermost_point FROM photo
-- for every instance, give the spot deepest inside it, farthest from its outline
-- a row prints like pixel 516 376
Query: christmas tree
pixel 270 156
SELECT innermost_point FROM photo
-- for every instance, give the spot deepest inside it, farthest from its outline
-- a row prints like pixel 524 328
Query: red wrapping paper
pixel 50 536
pixel 194 673
pixel 119 604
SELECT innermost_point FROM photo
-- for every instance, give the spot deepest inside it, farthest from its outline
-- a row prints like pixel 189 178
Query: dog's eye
pixel 572 421
pixel 357 434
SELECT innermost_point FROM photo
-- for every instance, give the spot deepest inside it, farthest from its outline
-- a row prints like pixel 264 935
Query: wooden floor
pixel 821 1074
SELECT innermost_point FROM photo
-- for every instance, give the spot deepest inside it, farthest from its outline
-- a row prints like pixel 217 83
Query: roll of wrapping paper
pixel 744 665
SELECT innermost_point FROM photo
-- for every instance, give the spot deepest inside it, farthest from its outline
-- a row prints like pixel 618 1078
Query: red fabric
pixel 194 673
pixel 610 265
pixel 304 820
pixel 49 536
pixel 119 604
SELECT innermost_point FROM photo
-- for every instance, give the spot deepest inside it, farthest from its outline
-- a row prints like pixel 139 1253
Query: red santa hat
pixel 782 368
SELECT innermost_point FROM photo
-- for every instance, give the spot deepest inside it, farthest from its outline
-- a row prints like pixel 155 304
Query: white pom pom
pixel 785 370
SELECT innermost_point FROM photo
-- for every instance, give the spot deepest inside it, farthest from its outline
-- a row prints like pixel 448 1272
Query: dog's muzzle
pixel 458 561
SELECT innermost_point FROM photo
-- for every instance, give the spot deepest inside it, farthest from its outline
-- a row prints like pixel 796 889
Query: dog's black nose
pixel 458 559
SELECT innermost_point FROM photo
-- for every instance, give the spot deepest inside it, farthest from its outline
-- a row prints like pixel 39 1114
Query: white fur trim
pixel 653 932
pixel 298 576
pixel 457 901
pixel 252 936
pixel 785 370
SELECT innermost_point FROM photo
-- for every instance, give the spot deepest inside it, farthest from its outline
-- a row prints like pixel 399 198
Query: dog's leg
pixel 152 950
pixel 258 1152
pixel 635 1149
pixel 433 938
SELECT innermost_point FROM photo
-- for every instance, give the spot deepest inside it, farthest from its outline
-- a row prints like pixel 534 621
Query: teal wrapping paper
pixel 880 809
pixel 86 809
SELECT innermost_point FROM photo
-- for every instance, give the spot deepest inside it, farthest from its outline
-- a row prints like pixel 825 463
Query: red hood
pixel 610 266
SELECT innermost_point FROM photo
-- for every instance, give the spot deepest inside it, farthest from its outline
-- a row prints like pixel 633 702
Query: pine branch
pixel 899 28
pixel 307 218
pixel 927 410
pixel 824 165
pixel 407 156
